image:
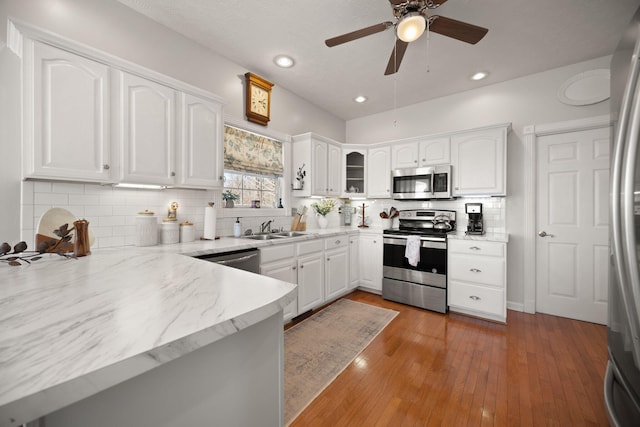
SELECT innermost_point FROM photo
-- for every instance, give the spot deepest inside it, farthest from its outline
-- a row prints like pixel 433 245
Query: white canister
pixel 169 232
pixel 146 229
pixel 187 233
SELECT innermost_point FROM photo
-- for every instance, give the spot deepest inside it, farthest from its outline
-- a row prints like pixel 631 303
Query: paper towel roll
pixel 209 223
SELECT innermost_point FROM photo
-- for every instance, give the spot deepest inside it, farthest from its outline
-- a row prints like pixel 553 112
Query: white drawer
pixel 476 298
pixel 310 246
pixel 476 247
pixel 479 269
pixel 336 242
pixel 278 252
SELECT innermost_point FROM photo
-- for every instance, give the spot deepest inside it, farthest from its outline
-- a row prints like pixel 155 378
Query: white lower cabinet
pixel 310 274
pixel 371 261
pixel 280 263
pixel 477 278
pixel 336 267
pixel 354 261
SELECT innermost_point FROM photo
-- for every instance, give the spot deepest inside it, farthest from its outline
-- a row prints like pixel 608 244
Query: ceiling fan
pixel 411 22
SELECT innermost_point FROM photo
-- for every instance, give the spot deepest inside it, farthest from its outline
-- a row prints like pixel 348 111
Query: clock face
pixel 259 101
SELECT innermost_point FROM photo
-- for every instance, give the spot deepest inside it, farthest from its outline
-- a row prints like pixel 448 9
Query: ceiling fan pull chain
pixel 428 39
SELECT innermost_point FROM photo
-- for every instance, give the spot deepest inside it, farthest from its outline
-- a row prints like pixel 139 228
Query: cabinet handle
pixel 375 241
pixel 328 259
pixel 337 242
pixel 424 160
pixel 301 267
pixel 173 174
pixel 415 161
pixel 294 267
pixel 474 248
pixel 106 167
pixel 475 298
pixel 475 270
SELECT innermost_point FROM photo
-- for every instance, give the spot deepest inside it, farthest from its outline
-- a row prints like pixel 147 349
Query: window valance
pixel 251 153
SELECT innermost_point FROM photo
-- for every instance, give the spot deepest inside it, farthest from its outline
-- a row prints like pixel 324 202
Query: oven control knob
pixel 434 270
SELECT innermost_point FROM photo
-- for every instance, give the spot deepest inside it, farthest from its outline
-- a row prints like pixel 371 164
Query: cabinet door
pixel 336 273
pixel 379 172
pixel 354 261
pixel 147 120
pixel 334 170
pixel 319 170
pixel 479 163
pixel 310 281
pixel 353 171
pixel 371 261
pixel 67 126
pixel 287 272
pixel 201 143
pixel 435 151
pixel 404 155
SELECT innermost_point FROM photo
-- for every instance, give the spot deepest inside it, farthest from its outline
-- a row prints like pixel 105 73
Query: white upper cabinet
pixel 145 126
pixel 421 152
pixel 321 160
pixel 66 115
pixel 200 154
pixel 353 171
pixel 436 151
pixel 379 172
pixel 479 160
pixel 404 155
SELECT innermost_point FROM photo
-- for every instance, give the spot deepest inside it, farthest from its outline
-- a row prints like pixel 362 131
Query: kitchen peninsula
pixel 132 336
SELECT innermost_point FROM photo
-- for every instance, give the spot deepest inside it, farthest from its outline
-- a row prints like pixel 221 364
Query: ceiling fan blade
pixel 396 57
pixel 457 29
pixel 431 4
pixel 363 32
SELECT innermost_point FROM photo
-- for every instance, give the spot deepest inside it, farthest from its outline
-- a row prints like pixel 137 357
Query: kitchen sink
pixel 269 236
pixel 290 234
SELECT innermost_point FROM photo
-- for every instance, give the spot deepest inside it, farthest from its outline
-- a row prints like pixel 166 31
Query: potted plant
pixel 300 174
pixel 322 208
pixel 229 197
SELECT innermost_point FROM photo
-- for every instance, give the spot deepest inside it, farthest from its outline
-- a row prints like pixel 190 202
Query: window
pixel 252 167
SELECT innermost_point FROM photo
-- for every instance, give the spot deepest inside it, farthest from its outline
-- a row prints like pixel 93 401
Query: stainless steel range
pixel 425 283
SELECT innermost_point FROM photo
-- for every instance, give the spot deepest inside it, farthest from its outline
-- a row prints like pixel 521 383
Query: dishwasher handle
pixel 236 260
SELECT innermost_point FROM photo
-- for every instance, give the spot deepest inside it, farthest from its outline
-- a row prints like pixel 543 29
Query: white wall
pixel 524 101
pixel 115 29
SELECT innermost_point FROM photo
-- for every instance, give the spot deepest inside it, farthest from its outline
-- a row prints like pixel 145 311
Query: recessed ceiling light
pixel 479 75
pixel 360 99
pixel 283 61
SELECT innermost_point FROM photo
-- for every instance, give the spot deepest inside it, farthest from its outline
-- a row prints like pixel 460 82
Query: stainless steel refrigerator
pixel 622 380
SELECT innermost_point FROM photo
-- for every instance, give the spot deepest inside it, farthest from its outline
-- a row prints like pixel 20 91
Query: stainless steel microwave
pixel 430 182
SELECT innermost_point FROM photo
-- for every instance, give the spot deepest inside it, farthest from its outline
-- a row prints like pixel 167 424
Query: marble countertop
pixel 70 328
pixel 489 237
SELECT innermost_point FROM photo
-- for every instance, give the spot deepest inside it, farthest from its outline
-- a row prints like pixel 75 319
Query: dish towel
pixel 412 251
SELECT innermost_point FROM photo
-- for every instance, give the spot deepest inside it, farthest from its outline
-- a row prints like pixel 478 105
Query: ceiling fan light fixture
pixel 283 61
pixel 411 27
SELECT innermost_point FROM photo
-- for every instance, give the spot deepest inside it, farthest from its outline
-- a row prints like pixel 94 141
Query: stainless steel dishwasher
pixel 244 259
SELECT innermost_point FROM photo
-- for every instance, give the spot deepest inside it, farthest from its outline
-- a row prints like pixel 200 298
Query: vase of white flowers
pixel 322 208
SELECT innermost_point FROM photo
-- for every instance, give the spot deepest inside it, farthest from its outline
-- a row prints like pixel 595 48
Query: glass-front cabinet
pixel 354 172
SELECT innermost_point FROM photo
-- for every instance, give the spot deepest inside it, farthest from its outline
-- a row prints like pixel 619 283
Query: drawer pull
pixel 337 242
pixel 475 270
pixel 474 248
pixel 475 298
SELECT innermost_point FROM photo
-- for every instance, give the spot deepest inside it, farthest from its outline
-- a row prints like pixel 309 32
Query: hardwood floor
pixel 430 369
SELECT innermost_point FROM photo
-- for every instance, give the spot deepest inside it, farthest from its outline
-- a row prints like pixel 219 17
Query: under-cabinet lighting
pixel 140 186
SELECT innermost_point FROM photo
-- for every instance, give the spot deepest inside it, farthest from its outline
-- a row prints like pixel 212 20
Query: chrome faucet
pixel 265 227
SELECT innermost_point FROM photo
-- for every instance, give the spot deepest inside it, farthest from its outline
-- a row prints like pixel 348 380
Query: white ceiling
pixel 525 37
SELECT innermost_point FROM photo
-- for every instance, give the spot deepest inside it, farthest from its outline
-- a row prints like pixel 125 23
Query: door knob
pixel 544 234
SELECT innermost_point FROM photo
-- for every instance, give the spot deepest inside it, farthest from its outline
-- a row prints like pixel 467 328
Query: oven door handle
pixel 433 174
pixel 424 242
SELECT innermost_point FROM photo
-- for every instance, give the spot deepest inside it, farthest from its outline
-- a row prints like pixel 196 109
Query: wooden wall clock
pixel 258 99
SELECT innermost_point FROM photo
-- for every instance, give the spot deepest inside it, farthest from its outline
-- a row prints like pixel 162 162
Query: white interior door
pixel 572 250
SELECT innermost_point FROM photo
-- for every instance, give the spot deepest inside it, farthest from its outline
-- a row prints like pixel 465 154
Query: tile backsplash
pixel 111 211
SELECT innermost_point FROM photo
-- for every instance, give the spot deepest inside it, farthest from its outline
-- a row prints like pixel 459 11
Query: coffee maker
pixel 474 225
